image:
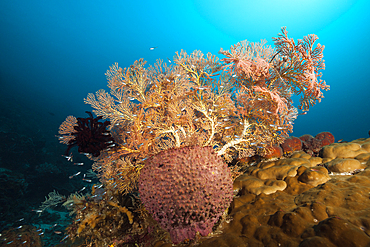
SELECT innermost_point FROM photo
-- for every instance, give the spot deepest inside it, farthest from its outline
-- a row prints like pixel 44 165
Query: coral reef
pixel 308 143
pixel 316 207
pixel 107 217
pixel 183 116
pixel 291 144
pixel 24 235
pixel 313 145
pixel 274 151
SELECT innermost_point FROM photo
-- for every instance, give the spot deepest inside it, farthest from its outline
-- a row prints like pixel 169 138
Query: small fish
pixel 64 238
pixel 259 99
pixel 58 232
pixel 19 227
pixel 69 158
pixel 152 48
pixel 79 164
pixel 37 210
pixel 74 175
pixel 169 60
pixel 233 76
pixel 339 141
pixel 268 112
pixel 228 127
pixel 303 113
pixel 82 189
pixel 87 180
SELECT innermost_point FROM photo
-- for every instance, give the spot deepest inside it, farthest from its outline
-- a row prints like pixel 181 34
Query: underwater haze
pixel 53 53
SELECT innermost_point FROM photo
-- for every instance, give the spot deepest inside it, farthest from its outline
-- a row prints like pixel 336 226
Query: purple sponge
pixel 186 190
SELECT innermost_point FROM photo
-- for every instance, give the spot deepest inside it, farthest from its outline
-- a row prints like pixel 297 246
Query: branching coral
pixel 238 106
pixel 298 65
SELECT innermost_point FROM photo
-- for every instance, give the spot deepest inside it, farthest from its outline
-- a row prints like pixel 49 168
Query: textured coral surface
pixel 297 201
pixel 186 190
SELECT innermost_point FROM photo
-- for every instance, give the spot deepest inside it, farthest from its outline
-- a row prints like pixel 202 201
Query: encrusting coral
pixel 231 108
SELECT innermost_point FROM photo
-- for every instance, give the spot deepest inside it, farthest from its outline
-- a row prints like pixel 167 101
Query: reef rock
pixel 301 201
pixel 344 165
pixel 256 186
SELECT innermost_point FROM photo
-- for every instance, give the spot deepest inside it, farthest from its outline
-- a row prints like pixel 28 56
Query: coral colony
pixel 164 158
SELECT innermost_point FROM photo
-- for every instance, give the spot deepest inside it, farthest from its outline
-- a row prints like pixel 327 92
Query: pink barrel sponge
pixel 186 190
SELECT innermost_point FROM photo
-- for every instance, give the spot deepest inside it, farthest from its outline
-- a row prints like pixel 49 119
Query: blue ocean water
pixel 53 53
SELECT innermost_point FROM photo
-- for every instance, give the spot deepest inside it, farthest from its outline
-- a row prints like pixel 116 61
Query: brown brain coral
pixel 186 190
